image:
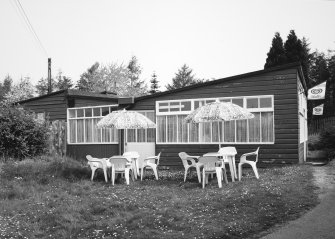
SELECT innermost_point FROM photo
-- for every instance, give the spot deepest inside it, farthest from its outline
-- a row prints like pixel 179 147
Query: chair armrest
pixel 193 156
pixel 248 154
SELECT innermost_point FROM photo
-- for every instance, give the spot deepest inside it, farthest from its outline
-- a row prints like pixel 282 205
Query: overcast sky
pixel 214 38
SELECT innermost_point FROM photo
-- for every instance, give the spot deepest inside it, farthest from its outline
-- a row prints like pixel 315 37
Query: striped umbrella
pixel 218 111
pixel 123 119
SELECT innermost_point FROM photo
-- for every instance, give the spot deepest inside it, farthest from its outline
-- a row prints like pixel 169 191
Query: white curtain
pixel 88 130
pixel 182 129
pixel 72 125
pixel 171 128
pixel 254 128
pixel 267 126
pixel 241 130
pixel 80 131
pixel 161 130
pixel 229 131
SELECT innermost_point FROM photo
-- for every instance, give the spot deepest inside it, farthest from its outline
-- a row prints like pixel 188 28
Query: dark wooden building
pixel 276 96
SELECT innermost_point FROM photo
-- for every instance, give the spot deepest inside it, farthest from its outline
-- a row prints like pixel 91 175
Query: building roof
pixel 76 93
pixel 296 65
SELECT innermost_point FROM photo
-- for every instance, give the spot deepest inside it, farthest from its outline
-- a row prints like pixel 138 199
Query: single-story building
pixel 276 96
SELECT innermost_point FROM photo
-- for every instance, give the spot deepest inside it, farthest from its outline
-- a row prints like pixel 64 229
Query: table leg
pixel 135 168
pixel 231 168
pixel 234 165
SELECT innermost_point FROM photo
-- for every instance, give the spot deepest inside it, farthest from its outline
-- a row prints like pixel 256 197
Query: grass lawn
pixel 56 199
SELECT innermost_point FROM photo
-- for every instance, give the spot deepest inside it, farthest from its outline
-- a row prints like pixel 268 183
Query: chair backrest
pixel 256 153
pixel 158 158
pixel 186 159
pixel 96 162
pixel 119 162
pixel 209 162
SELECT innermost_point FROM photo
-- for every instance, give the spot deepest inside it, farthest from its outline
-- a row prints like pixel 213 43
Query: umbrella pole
pixel 219 137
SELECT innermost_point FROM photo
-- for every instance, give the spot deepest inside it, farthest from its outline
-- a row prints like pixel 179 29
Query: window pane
pixel 252 102
pixel 205 132
pixel 254 128
pixel 105 111
pixel 198 103
pixel 182 129
pixel 80 131
pixel 141 135
pixel 171 128
pixel 96 112
pixel 209 101
pixel 96 131
pixel 225 100
pixel 161 127
pixel 72 125
pixel 88 112
pixel 229 131
pixel 267 126
pixel 151 135
pixel 241 131
pixel 105 135
pixel 186 106
pixel 131 135
pixel 174 106
pixel 114 135
pixel 164 105
pixel 238 101
pixel 88 130
pixel 265 102
pixel 217 135
pixel 194 132
pixel 72 113
pixel 80 113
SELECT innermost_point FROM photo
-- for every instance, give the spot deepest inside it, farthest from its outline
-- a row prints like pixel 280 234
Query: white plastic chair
pixel 229 151
pixel 151 162
pixel 133 157
pixel 243 160
pixel 189 162
pixel 120 164
pixel 212 165
pixel 96 163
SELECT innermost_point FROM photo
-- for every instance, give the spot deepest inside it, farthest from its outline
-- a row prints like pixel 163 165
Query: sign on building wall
pixel 317 92
pixel 318 110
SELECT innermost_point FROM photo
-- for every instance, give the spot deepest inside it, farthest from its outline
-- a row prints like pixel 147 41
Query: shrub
pixel 327 140
pixel 21 135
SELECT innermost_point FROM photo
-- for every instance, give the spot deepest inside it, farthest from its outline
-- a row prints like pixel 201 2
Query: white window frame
pixel 256 110
pixel 83 118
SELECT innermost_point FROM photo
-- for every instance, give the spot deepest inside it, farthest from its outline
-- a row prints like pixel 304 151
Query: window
pixel 82 127
pixel 142 135
pixel 171 127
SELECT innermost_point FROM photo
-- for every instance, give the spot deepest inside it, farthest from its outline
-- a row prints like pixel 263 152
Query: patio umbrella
pixel 123 119
pixel 218 111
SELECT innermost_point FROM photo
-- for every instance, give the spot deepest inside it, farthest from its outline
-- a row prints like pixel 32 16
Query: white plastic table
pixel 231 161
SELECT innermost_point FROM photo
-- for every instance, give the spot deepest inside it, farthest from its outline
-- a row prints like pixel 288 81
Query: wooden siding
pixel 96 150
pixel 54 106
pixel 83 102
pixel 282 84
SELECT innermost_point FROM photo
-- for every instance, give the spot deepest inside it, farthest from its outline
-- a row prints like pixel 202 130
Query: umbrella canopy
pixel 123 119
pixel 218 111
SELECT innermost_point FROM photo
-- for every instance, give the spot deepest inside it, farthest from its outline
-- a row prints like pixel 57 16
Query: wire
pixel 29 25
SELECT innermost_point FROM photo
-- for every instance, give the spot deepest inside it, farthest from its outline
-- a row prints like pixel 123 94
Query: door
pixel 142 140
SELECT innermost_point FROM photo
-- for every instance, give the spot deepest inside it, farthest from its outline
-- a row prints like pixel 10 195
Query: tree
pixel 63 82
pixel 21 91
pixel 88 78
pixel 276 54
pixel 5 87
pixel 184 77
pixel 154 84
pixel 42 86
pixel 137 86
pixel 293 48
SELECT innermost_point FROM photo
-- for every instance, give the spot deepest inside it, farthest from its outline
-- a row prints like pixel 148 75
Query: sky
pixel 215 38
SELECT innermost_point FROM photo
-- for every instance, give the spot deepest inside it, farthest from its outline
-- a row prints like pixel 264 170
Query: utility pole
pixel 49 76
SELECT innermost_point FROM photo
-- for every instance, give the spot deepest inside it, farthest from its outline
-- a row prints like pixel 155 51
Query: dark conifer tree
pixel 154 84
pixel 276 54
